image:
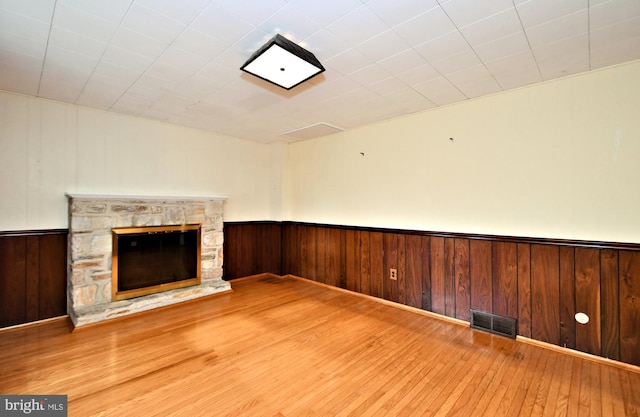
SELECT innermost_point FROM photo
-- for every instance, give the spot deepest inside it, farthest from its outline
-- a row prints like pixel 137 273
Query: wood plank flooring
pixel 288 347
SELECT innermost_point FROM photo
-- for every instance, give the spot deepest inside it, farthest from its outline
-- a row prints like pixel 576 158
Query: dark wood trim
pixel 500 238
pixel 44 232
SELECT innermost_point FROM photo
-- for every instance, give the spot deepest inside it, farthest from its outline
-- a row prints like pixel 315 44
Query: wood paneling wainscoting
pixel 540 282
pixel 252 248
pixel 33 275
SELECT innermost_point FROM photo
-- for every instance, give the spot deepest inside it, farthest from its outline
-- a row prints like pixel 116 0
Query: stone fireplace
pixel 91 219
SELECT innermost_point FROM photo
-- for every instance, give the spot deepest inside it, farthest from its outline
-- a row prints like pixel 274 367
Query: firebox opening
pixel 151 259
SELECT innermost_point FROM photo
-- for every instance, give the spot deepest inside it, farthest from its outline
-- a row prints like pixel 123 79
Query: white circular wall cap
pixel 582 318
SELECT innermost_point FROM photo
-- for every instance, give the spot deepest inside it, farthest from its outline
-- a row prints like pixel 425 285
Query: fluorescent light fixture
pixel 283 63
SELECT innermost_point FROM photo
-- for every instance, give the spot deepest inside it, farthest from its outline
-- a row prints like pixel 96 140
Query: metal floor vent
pixel 504 326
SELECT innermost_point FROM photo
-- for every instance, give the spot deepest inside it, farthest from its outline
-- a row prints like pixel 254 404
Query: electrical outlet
pixel 393 274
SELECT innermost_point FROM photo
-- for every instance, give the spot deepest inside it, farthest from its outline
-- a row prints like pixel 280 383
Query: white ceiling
pixel 178 60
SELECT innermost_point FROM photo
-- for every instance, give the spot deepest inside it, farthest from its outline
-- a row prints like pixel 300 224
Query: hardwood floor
pixel 288 347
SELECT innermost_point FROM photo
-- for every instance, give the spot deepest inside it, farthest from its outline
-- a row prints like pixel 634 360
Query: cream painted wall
pixel 49 148
pixel 559 159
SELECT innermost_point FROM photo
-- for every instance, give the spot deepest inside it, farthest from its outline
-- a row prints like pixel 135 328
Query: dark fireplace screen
pixel 151 259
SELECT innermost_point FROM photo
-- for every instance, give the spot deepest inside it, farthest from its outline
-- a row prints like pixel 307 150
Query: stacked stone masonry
pixel 91 219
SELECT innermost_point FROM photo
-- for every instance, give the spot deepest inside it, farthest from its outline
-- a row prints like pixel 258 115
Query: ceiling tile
pixel 76 42
pixel 101 92
pixel 613 12
pixel 254 12
pixel 615 43
pixel 62 58
pixel 200 44
pixel 387 86
pixel 615 52
pixel 493 27
pixel 536 12
pixel 23 27
pixel 111 11
pixel 41 10
pixel 565 27
pixel 369 75
pixel 131 104
pixel 474 82
pixel 349 61
pixel 290 23
pixel 19 72
pixel 149 23
pixel 138 44
pixel 453 63
pixel 395 12
pixel 418 75
pixel 562 58
pixel 324 44
pixel 425 27
pixel 13 42
pixel 465 12
pixel 357 26
pixel 440 91
pixel 325 14
pixel 382 46
pixel 217 22
pixel 124 75
pixel 175 65
pixel 513 44
pixel 125 58
pixel 78 21
pixel 62 85
pixel 437 49
pixel 407 59
pixel 515 71
pixel 183 11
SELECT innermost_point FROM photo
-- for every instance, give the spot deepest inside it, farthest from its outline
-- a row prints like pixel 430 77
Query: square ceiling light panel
pixel 283 63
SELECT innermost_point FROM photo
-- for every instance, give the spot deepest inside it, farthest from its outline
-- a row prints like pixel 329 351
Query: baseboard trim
pixel 36 323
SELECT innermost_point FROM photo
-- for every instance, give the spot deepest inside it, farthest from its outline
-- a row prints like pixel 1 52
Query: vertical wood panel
pixel 413 271
pixel 480 275
pixel 268 248
pixel 545 290
pixel 587 272
pixel 352 260
pixel 449 278
pixel 524 289
pixel 53 276
pixel 333 248
pixel 343 259
pixel 437 275
pixel 462 280
pixel 426 273
pixel 610 304
pixel 402 270
pixel 12 280
pixel 630 307
pixel 375 259
pixel 390 248
pixel 567 297
pixel 294 251
pixel 505 279
pixel 321 254
pixel 365 263
pixel 32 278
pixel 305 251
pixel 247 257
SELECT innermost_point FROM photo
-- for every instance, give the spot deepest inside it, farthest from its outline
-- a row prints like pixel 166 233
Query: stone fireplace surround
pixel 91 218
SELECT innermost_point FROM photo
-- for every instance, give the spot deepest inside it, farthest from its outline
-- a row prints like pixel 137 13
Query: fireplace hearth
pixel 94 220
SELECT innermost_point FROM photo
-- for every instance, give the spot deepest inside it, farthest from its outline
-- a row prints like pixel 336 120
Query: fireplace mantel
pixel 91 218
